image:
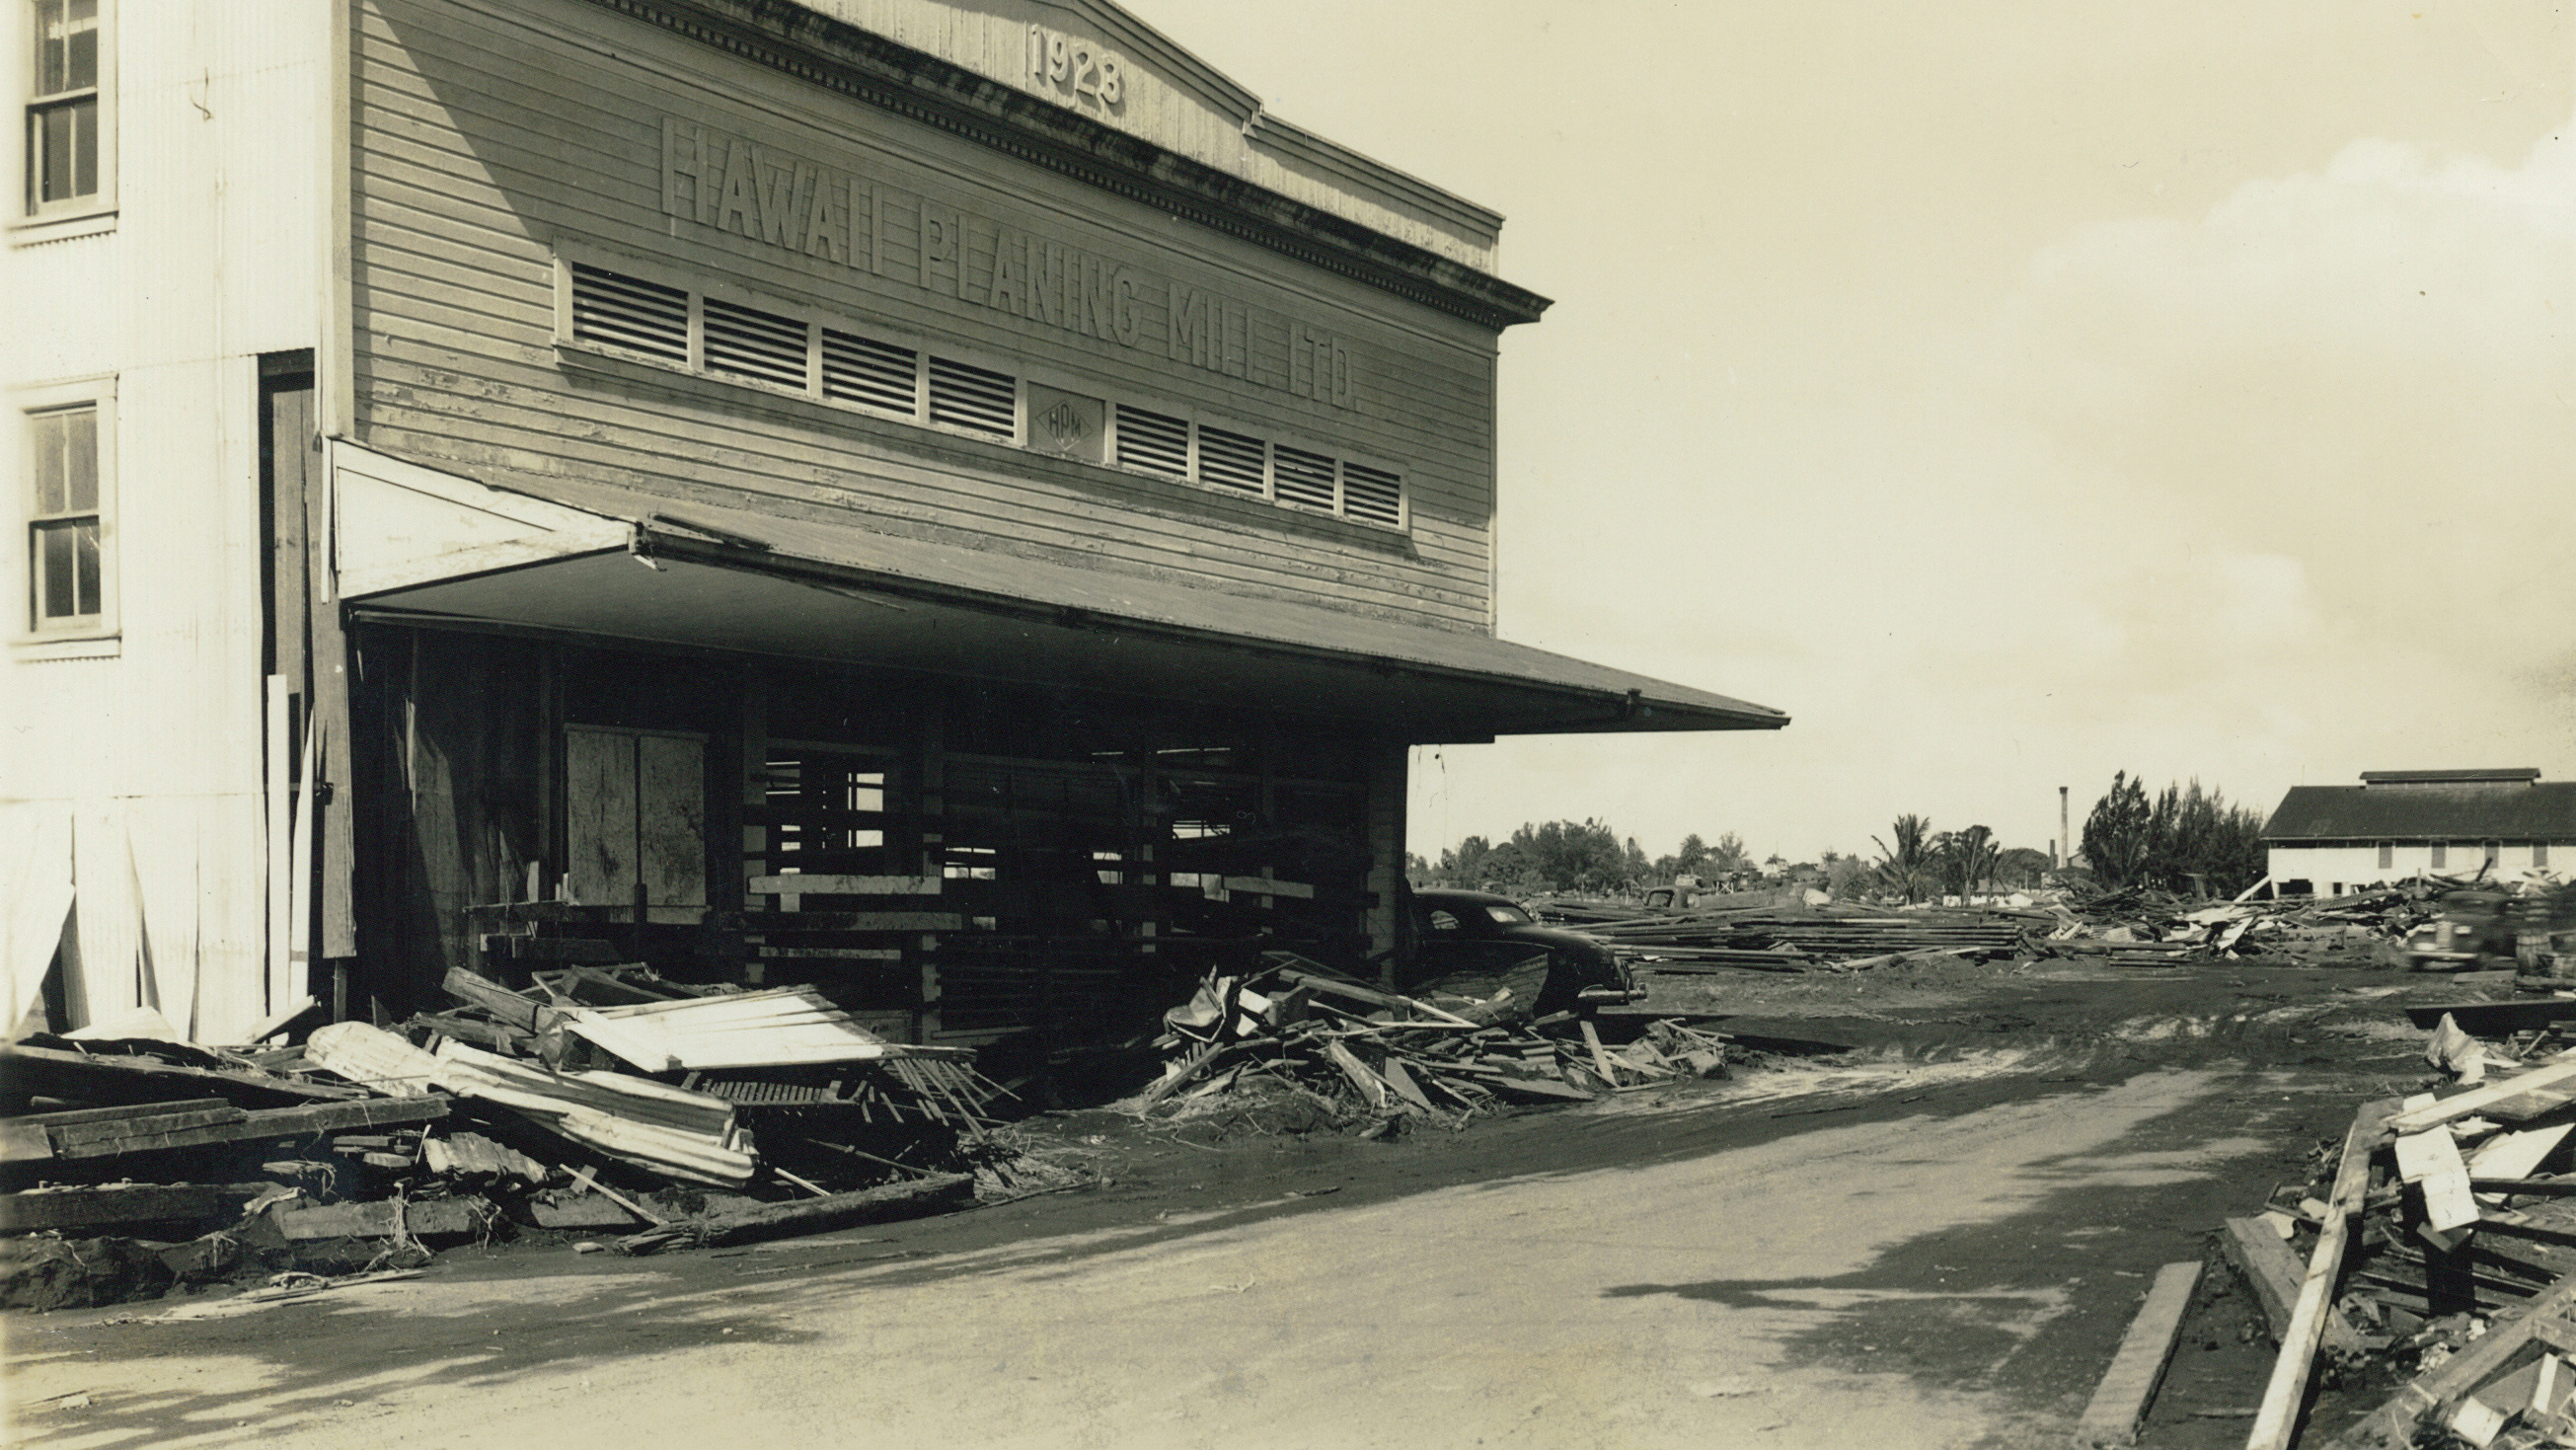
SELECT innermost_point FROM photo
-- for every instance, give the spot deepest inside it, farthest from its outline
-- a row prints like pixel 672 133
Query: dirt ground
pixel 1922 1214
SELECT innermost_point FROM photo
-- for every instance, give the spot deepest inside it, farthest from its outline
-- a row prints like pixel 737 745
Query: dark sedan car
pixel 1475 943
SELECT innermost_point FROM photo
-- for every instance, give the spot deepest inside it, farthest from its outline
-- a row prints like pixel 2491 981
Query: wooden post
pixel 280 844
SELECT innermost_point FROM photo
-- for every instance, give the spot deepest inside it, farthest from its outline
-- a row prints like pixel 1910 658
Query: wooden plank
pixel 112 1078
pixel 69 1139
pixel 823 884
pixel 584 1210
pixel 2515 1155
pixel 1371 1086
pixel 2392 1425
pixel 935 1194
pixel 2272 1271
pixel 280 841
pixel 419 1217
pixel 2128 1387
pixel 1402 1081
pixel 2432 1159
pixel 507 1007
pixel 269 1123
pixel 121 1113
pixel 2276 1422
pixel 123 1203
pixel 1600 1054
pixel 2459 1105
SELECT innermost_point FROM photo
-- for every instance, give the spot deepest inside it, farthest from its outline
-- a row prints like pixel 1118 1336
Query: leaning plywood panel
pixel 671 825
pixel 599 795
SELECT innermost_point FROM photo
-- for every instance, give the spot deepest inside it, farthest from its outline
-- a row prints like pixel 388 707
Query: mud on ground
pixel 2293 1050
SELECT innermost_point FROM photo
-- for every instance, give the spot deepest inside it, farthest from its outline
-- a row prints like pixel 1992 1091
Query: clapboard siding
pixel 948 506
pixel 483 144
pixel 750 447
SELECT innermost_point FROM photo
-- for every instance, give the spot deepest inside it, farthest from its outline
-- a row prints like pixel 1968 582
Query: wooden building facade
pixel 953 502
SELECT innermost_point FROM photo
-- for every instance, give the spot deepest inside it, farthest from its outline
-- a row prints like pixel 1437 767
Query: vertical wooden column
pixel 1386 761
pixel 755 833
pixel 930 808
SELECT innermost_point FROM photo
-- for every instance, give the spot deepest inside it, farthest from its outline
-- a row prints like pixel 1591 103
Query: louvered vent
pixel 1304 478
pixel 1230 459
pixel 749 343
pixel 864 370
pixel 1372 495
pixel 965 396
pixel 1153 440
pixel 616 310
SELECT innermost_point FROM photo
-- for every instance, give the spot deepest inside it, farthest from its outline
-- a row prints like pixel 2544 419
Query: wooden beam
pixel 2460 1105
pixel 123 1203
pixel 909 1199
pixel 2129 1386
pixel 421 1217
pixel 2273 1272
pixel 2276 1423
pixel 818 884
pixel 272 1123
pixel 117 1077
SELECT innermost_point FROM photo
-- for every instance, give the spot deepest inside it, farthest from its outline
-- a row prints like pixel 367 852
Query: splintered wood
pixel 2442 1237
pixel 1294 1027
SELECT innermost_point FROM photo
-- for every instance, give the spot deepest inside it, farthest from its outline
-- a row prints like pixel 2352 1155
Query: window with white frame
pixel 71 576
pixel 69 107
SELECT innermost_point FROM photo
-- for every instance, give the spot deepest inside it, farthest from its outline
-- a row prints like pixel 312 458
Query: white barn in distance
pixel 2398 824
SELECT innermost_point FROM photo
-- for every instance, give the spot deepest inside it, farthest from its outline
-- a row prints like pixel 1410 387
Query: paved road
pixel 1910 1280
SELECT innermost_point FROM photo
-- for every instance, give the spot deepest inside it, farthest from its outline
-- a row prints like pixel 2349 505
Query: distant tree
pixel 1906 867
pixel 2198 843
pixel 1570 856
pixel 2118 833
pixel 1965 859
pixel 2021 867
pixel 1849 878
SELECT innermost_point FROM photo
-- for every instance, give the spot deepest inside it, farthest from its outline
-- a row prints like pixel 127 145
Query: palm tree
pixel 1907 868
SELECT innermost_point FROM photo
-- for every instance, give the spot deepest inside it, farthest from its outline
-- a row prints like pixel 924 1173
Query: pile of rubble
pixel 1299 1033
pixel 1816 938
pixel 2436 1246
pixel 2134 926
pixel 602 1099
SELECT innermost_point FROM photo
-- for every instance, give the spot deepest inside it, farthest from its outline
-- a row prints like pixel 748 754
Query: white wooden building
pixel 2504 825
pixel 508 481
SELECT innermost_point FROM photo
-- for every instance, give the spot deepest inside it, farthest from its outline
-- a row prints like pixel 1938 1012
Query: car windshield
pixel 1508 915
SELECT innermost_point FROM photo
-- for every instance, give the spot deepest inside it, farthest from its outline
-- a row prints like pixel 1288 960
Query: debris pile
pixel 1351 1053
pixel 1823 938
pixel 600 1099
pixel 2438 1245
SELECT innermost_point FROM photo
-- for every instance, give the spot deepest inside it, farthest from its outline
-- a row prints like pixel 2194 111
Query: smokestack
pixel 2062 835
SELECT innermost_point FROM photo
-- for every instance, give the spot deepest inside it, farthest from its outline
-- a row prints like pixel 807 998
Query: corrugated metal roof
pixel 2544 810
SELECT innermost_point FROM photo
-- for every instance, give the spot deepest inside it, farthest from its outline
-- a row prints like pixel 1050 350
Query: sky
pixel 2012 392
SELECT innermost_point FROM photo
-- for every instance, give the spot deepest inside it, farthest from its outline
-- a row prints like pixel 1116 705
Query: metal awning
pixel 418 546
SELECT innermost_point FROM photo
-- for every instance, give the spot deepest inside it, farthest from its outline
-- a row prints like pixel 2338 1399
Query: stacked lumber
pixel 1810 939
pixel 1296 1028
